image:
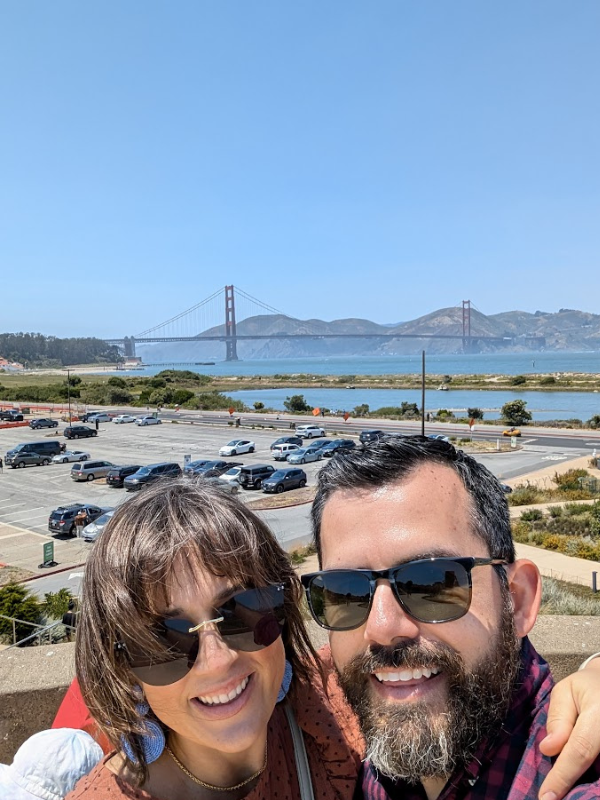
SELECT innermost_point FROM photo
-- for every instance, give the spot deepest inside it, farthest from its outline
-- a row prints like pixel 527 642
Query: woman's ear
pixel 525 586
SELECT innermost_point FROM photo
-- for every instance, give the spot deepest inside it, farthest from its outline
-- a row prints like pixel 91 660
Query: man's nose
pixel 387 620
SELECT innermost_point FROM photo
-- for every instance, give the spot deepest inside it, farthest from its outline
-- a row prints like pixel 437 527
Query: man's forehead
pixel 428 510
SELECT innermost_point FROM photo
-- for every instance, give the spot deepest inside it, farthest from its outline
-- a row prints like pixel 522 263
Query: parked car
pixel 79 432
pixel 148 420
pixel 193 466
pixel 511 432
pixel 27 459
pixel 51 447
pixel 117 475
pixel 304 455
pixel 88 416
pixel 282 451
pixel 252 475
pixel 237 446
pixel 92 531
pixel 230 487
pixel 99 416
pixel 62 519
pixel 121 419
pixel 371 435
pixel 232 475
pixel 90 470
pixel 287 440
pixel 309 431
pixel 318 444
pixel 506 488
pixel 70 455
pixel 151 473
pixel 438 437
pixel 214 469
pixel 42 422
pixel 337 446
pixel 283 479
pixel 11 415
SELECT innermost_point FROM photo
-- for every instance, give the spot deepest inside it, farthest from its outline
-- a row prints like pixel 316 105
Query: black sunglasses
pixel 428 590
pixel 248 621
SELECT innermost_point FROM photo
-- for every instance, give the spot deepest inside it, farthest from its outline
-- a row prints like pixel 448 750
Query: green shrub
pixel 569 479
pixel 521 531
pixel 555 511
pixel 559 599
pixel 523 495
pixel 532 515
pixel 575 509
pixel 17 602
pixel 549 380
pixel 553 541
pixel 519 380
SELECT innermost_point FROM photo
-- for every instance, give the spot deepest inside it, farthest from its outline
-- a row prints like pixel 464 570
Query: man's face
pixel 423 692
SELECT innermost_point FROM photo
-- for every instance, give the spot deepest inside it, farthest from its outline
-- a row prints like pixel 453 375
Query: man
pixel 81 520
pixel 69 620
pixel 428 613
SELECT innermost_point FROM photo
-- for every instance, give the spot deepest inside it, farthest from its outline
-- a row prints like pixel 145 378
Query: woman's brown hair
pixel 126 583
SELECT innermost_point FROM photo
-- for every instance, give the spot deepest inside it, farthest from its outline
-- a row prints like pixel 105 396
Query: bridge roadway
pixel 240 337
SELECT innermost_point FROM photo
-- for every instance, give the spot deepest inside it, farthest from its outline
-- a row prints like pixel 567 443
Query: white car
pixel 101 416
pixel 95 528
pixel 280 452
pixel 309 431
pixel 237 446
pixel 232 475
pixel 71 455
pixel 148 420
pixel 123 418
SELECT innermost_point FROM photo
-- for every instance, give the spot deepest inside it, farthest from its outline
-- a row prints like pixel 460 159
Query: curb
pixel 52 572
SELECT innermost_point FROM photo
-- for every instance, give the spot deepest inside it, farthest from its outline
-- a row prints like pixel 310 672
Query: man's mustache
pixel 408 655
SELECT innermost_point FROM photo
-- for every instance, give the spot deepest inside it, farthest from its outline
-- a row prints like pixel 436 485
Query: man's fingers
pixel 576 757
pixel 562 716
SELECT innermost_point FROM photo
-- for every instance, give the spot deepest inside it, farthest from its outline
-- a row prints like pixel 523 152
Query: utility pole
pixel 423 394
pixel 69 393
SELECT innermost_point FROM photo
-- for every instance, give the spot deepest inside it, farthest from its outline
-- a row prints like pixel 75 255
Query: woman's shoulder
pixel 103 784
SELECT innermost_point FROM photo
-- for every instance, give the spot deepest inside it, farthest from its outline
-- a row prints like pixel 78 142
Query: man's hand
pixel 573 730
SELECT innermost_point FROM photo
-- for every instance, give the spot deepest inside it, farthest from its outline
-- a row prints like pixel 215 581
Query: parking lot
pixel 27 496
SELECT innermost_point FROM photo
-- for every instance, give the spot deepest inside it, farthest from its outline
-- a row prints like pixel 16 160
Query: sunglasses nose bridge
pixel 388 620
pixel 213 651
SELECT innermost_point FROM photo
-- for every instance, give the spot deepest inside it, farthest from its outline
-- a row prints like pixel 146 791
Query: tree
pixel 474 413
pixel 56 603
pixel 361 410
pixel 258 406
pixel 519 380
pixel 296 403
pixel 17 602
pixel 515 413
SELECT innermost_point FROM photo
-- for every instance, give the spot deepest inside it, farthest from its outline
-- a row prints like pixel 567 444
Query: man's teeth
pixel 219 699
pixel 407 674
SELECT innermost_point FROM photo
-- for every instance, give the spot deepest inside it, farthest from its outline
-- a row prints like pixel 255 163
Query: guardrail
pixel 42 632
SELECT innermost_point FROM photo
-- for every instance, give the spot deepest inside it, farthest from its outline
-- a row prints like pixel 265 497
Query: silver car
pixel 304 455
pixel 90 470
pixel 95 528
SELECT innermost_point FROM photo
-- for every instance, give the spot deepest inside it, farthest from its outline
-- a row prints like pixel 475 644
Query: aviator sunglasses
pixel 248 621
pixel 428 590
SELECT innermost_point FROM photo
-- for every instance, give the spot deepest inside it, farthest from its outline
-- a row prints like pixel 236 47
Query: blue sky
pixel 337 159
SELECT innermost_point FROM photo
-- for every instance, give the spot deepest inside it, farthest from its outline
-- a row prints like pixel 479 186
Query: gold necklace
pixel 210 785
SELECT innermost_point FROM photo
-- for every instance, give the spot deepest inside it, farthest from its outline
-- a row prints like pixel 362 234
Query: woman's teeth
pixel 407 674
pixel 219 699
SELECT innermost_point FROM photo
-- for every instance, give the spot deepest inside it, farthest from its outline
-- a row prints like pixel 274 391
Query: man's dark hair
pixel 71 605
pixel 386 462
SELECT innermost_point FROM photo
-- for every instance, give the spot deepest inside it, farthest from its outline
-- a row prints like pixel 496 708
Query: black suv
pixel 62 519
pixel 79 432
pixel 11 415
pixel 116 476
pixel 337 446
pixel 43 422
pixel 366 437
pixel 151 473
pixel 252 476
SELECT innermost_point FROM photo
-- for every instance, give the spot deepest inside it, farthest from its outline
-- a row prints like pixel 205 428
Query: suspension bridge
pixel 205 322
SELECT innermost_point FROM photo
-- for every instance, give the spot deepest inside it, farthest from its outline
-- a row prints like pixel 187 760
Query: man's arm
pixel 573 730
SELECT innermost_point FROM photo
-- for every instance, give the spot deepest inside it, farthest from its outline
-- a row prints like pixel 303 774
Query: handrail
pixel 39 634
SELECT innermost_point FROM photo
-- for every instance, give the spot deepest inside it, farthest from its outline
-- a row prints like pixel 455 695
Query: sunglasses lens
pixel 437 590
pixel 340 599
pixel 252 619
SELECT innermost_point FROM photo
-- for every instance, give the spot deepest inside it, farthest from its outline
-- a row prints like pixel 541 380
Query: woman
pixel 190 634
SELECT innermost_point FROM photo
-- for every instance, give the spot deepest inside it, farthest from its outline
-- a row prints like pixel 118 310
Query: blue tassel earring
pixel 285 683
pixel 152 740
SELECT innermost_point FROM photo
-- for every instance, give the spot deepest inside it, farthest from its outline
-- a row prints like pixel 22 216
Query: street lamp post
pixel 69 393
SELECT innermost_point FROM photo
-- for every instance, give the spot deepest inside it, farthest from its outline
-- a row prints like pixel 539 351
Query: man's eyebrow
pixel 438 553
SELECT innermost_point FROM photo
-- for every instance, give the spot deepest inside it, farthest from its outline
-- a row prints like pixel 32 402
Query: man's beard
pixel 412 741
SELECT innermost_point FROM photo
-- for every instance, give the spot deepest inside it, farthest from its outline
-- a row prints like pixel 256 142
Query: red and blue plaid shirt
pixel 511 767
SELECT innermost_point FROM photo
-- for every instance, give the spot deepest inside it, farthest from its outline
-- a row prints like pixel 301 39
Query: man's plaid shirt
pixel 511 766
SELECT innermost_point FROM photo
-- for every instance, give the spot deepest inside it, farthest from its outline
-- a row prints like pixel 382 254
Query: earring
pixel 152 740
pixel 285 683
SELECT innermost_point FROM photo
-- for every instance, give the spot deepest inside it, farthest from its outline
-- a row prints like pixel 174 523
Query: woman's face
pixel 198 707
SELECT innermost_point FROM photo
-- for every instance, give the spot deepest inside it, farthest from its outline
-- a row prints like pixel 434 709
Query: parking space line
pixel 14 505
pixel 27 517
